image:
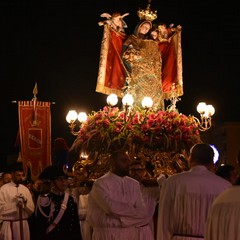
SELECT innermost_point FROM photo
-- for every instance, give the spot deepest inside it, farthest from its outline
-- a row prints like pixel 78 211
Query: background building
pixel 226 137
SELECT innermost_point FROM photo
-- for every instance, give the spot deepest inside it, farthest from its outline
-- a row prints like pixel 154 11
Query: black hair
pixel 224 171
pixel 115 154
pixel 202 153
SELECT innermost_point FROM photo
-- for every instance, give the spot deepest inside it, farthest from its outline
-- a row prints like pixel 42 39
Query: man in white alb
pixel 186 197
pixel 224 218
pixel 116 209
pixel 150 189
pixel 16 205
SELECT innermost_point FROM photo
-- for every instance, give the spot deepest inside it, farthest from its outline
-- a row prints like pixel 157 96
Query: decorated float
pixel 159 137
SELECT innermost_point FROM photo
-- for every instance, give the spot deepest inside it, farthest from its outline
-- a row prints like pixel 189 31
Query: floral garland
pixel 112 128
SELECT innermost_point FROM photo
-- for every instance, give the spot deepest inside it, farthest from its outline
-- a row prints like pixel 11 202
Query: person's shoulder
pixel 102 179
pixel 3 188
pixel 7 186
pixel 177 176
pixel 105 176
pixel 230 195
pixel 212 179
pixel 130 179
pixel 130 38
pixel 221 180
pixel 23 187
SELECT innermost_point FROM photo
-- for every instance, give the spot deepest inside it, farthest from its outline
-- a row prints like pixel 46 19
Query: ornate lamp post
pixel 72 117
pixel 206 112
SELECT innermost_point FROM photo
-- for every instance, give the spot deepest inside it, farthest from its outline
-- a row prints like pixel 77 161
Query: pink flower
pixel 117 130
pixel 129 127
pixel 151 122
pixel 119 124
pixel 111 128
pixel 144 128
pixel 106 123
pixel 121 115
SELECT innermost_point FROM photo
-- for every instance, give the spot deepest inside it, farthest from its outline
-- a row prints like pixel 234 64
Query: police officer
pixel 57 210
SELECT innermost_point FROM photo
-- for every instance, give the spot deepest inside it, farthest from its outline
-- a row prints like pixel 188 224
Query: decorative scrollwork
pixel 155 162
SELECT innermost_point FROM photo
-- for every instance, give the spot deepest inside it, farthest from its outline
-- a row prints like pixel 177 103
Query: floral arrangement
pixel 112 128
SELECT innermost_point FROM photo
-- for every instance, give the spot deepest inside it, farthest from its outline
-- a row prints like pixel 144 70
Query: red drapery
pixel 111 73
pixel 35 134
pixel 171 52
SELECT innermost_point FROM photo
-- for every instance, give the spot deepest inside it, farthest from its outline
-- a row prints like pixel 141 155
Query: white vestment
pixel 116 209
pixel 82 213
pixel 185 201
pixel 151 198
pixel 223 221
pixel 9 211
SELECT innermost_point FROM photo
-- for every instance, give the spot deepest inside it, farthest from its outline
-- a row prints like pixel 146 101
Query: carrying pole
pixel 20 207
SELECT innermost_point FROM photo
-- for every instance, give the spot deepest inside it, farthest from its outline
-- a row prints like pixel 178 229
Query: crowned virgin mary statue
pixel 140 64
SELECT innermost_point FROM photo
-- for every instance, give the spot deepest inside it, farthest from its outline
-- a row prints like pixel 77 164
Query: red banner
pixel 35 134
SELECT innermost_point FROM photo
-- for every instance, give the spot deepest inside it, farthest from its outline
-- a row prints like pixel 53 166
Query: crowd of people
pixel 122 205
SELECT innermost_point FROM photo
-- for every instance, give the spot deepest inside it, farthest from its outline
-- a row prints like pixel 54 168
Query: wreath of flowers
pixel 112 128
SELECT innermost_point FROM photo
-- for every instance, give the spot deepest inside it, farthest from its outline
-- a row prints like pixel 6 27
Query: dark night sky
pixel 56 43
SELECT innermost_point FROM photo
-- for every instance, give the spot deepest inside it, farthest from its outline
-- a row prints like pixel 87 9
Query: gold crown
pixel 147 14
